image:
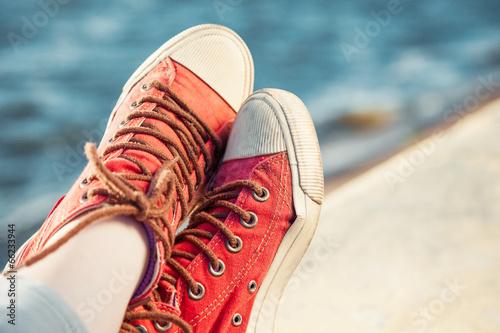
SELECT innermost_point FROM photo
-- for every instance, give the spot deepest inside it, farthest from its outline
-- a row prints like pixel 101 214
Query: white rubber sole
pixel 196 49
pixel 307 182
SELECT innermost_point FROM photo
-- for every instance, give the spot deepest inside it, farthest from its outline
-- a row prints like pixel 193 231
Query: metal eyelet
pixel 84 197
pixel 142 329
pixel 237 319
pixel 263 197
pixel 222 269
pixel 252 287
pixel 112 139
pixel 145 87
pixel 238 247
pixel 206 167
pixel 252 222
pixel 134 105
pixel 85 182
pixel 199 295
pixel 218 152
pixel 163 328
pixel 123 123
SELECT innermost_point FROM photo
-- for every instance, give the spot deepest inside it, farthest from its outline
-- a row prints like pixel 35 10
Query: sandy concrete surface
pixel 412 245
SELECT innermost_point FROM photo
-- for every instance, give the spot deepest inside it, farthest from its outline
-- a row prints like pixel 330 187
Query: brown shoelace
pixel 127 199
pixel 193 134
pixel 218 198
pixel 166 184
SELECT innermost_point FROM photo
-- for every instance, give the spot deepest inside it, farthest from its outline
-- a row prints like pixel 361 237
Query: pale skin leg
pixel 97 271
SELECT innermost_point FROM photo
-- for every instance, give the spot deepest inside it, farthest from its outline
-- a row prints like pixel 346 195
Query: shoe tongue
pixel 169 297
pixel 232 170
pixel 122 165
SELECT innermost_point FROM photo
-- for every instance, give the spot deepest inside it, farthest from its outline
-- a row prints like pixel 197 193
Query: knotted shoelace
pixel 125 197
pixel 166 185
pixel 207 212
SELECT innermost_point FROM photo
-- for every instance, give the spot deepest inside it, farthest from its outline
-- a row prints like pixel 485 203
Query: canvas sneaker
pixel 229 267
pixel 164 138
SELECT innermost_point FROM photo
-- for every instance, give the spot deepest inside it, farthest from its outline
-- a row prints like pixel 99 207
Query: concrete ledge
pixel 413 245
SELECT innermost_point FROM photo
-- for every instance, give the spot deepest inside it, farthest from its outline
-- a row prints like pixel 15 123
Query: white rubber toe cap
pixel 273 121
pixel 220 58
pixel 215 54
pixel 256 131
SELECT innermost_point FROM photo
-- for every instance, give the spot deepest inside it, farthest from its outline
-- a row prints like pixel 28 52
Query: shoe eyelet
pixel 135 105
pixel 265 195
pixel 252 222
pixel 206 167
pixel 85 182
pixel 84 197
pixel 237 319
pixel 162 328
pixel 199 295
pixel 123 123
pixel 252 287
pixel 142 329
pixel 112 139
pixel 146 87
pixel 217 152
pixel 236 249
pixel 222 268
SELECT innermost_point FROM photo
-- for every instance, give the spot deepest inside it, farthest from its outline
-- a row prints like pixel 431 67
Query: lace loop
pixel 125 201
pixel 167 183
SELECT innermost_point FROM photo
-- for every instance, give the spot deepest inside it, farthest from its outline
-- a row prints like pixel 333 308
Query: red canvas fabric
pixel 228 294
pixel 196 93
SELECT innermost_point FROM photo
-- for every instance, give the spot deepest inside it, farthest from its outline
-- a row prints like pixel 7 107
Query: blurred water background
pixel 372 72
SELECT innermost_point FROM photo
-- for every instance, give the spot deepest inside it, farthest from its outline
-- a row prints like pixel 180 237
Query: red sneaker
pixel 231 264
pixel 164 136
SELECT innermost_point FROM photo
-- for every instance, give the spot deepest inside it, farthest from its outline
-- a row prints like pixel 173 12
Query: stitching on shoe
pixel 244 271
pixel 261 248
pixel 285 188
pixel 200 260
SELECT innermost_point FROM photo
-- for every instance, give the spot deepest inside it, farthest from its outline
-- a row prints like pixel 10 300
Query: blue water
pixel 62 80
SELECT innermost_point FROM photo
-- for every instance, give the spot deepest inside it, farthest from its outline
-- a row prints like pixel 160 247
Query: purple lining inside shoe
pixel 151 266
